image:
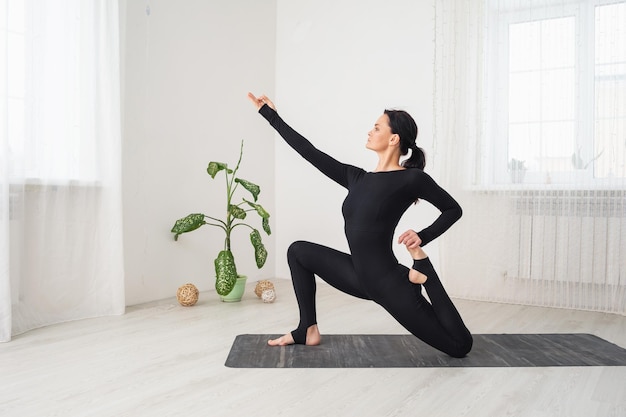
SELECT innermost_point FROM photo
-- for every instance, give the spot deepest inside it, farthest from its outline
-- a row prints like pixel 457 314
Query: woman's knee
pixel 295 249
pixel 463 348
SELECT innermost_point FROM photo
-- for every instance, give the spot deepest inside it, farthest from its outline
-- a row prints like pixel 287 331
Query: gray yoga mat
pixel 406 351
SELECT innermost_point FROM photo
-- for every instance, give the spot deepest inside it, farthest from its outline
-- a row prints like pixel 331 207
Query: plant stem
pixel 230 190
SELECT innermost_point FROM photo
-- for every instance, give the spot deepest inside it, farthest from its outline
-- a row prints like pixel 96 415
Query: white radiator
pixel 569 236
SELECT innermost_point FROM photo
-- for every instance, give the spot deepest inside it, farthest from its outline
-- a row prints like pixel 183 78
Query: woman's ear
pixel 394 139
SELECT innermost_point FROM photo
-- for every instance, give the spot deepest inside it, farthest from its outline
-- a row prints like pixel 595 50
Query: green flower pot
pixel 237 293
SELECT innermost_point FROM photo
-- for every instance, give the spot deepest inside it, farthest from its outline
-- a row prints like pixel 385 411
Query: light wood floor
pixel 161 359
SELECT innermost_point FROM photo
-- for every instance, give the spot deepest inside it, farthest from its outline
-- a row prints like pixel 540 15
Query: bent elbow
pixel 458 212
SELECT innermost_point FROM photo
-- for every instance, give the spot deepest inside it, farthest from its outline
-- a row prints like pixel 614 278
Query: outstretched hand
pixel 260 101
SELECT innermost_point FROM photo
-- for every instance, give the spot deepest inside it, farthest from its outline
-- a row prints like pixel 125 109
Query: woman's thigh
pixel 405 302
pixel 332 266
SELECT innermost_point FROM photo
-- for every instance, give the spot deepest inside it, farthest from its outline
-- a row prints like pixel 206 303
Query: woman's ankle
pixel 418 253
pixel 313 337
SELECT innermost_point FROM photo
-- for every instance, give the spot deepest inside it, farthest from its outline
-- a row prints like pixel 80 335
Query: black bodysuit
pixel 372 210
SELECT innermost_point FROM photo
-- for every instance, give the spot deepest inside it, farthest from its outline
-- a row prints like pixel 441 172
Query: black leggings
pixel 437 323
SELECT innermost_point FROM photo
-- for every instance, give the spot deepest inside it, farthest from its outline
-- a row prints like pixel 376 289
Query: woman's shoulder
pixel 417 177
pixel 355 171
pixel 415 173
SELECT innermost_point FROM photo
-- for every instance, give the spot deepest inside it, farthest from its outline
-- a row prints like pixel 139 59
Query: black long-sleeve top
pixel 375 202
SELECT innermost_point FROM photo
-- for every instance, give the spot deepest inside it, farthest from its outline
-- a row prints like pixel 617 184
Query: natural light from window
pixel 48 125
pixel 610 91
pixel 566 96
pixel 542 70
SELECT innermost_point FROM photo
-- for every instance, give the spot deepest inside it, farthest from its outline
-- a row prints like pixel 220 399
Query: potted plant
pixel 226 275
pixel 517 169
pixel 577 160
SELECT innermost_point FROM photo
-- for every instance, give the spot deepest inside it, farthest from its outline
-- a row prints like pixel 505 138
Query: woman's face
pixel 378 138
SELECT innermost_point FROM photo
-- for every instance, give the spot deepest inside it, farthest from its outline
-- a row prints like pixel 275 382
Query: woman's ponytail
pixel 403 125
pixel 417 158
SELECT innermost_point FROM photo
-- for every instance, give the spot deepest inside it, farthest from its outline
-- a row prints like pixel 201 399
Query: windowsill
pixel 537 182
pixel 526 188
pixel 36 183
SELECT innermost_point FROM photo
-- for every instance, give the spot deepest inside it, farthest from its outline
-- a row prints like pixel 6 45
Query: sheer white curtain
pixel 530 124
pixel 61 255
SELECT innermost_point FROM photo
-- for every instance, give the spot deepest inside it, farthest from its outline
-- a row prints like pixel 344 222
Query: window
pixel 49 126
pixel 557 94
pixel 610 91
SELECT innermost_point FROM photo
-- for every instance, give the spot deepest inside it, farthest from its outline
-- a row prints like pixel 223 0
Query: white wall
pixel 339 64
pixel 331 66
pixel 187 67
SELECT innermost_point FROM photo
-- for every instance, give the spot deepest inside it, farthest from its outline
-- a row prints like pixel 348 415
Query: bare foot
pixel 417 277
pixel 313 338
pixel 282 341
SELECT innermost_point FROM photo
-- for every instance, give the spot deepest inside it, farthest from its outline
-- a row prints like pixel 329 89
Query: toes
pixel 281 341
pixel 276 342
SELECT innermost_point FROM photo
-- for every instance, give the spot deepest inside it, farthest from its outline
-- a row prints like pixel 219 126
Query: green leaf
pixel 237 212
pixel 260 253
pixel 225 272
pixel 266 226
pixel 254 189
pixel 259 209
pixel 215 167
pixel 188 224
pixel 263 213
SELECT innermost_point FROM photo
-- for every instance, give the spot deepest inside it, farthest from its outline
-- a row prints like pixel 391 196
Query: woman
pixel 375 202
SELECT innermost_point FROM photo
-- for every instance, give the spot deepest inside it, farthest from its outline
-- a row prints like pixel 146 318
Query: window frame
pixel 30 115
pixel 495 173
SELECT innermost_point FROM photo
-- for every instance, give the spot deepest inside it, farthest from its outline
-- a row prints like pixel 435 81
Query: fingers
pixel 256 101
pixel 410 239
pixel 260 101
pixel 252 97
pixel 404 236
pixel 267 101
pixel 415 244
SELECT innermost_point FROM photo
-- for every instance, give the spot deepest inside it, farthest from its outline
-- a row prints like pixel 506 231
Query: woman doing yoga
pixel 372 209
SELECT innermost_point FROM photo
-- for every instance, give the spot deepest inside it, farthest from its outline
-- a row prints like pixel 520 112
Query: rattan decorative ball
pixel 187 295
pixel 268 296
pixel 263 285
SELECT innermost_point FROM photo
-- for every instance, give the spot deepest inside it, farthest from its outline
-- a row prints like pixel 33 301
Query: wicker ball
pixel 268 296
pixel 263 285
pixel 187 295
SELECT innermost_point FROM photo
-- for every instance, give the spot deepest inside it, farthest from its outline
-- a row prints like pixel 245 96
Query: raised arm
pixel 329 166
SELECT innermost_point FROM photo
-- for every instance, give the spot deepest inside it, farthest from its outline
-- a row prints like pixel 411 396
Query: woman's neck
pixel 388 163
pixel 389 168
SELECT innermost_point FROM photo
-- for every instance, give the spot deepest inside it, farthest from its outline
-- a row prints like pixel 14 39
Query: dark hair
pixel 403 125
